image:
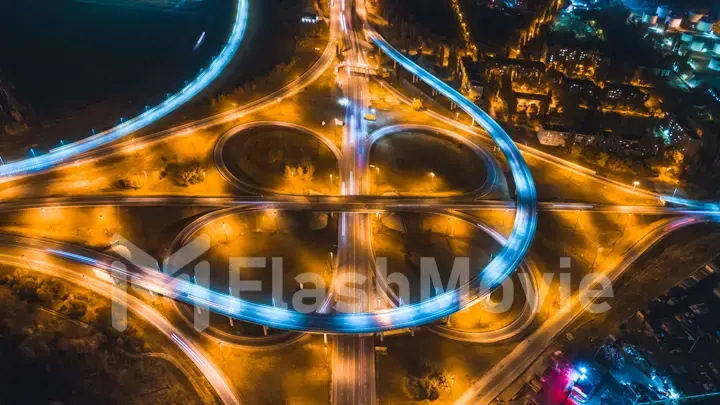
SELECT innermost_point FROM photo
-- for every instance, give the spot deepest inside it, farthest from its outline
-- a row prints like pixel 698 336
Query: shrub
pixel 193 174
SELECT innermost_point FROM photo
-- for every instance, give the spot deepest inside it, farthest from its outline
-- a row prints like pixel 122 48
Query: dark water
pixel 62 55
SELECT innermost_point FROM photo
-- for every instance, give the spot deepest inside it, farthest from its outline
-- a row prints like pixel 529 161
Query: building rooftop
pixel 516 62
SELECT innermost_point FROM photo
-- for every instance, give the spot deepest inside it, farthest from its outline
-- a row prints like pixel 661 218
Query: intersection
pixel 353 358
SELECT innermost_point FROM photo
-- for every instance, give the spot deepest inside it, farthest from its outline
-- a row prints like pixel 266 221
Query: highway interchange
pixel 353 378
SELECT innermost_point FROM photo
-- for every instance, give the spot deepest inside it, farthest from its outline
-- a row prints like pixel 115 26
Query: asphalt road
pixel 104 144
pixel 172 103
pixel 27 252
pixel 366 203
pixel 525 353
pixel 353 357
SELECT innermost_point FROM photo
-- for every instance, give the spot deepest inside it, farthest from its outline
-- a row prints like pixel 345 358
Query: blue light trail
pixel 404 316
pixel 63 153
pixel 526 217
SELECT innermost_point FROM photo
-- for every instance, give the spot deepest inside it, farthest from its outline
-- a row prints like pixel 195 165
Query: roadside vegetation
pixel 62 336
pixel 284 160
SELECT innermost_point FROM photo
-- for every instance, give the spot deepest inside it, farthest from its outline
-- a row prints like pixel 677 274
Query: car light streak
pixel 198 361
pixel 404 316
pixel 68 151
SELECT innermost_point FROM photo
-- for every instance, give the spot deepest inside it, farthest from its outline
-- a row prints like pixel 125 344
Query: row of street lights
pixel 431 174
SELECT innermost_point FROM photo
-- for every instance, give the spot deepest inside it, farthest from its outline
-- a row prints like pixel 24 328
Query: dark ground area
pixel 85 53
pixel 658 270
pixel 80 66
pixel 430 17
pixel 491 28
pixel 57 346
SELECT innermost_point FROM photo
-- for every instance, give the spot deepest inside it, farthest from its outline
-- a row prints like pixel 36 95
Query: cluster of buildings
pixel 684 326
pixel 563 95
pixel 692 34
pixel 616 373
pixel 663 353
pixel 580 91
pixel 576 75
pixel 567 91
pixel 689 39
pixel 683 312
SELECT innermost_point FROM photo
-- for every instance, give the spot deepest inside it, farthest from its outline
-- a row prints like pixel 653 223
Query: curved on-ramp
pixel 254 188
pixel 493 171
pixel 207 76
pixel 406 316
pixel 529 276
pixel 194 352
pixel 511 367
pixel 294 87
pixel 181 239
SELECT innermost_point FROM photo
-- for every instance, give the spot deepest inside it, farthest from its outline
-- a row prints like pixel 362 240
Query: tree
pixel 620 165
pixel 417 104
pixel 614 356
pixel 308 172
pixel 676 156
pixel 602 159
pixel 576 150
pixel 533 111
pixel 570 142
pixel 133 182
pixel 74 306
pixel 289 172
pixel 276 155
pixel 303 172
pixel 51 290
pixel 638 167
pixel 425 383
pixel 193 174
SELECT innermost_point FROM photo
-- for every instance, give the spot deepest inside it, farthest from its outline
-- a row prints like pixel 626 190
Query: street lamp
pixel 597 253
pixel 635 183
pixel 432 181
pixel 221 351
